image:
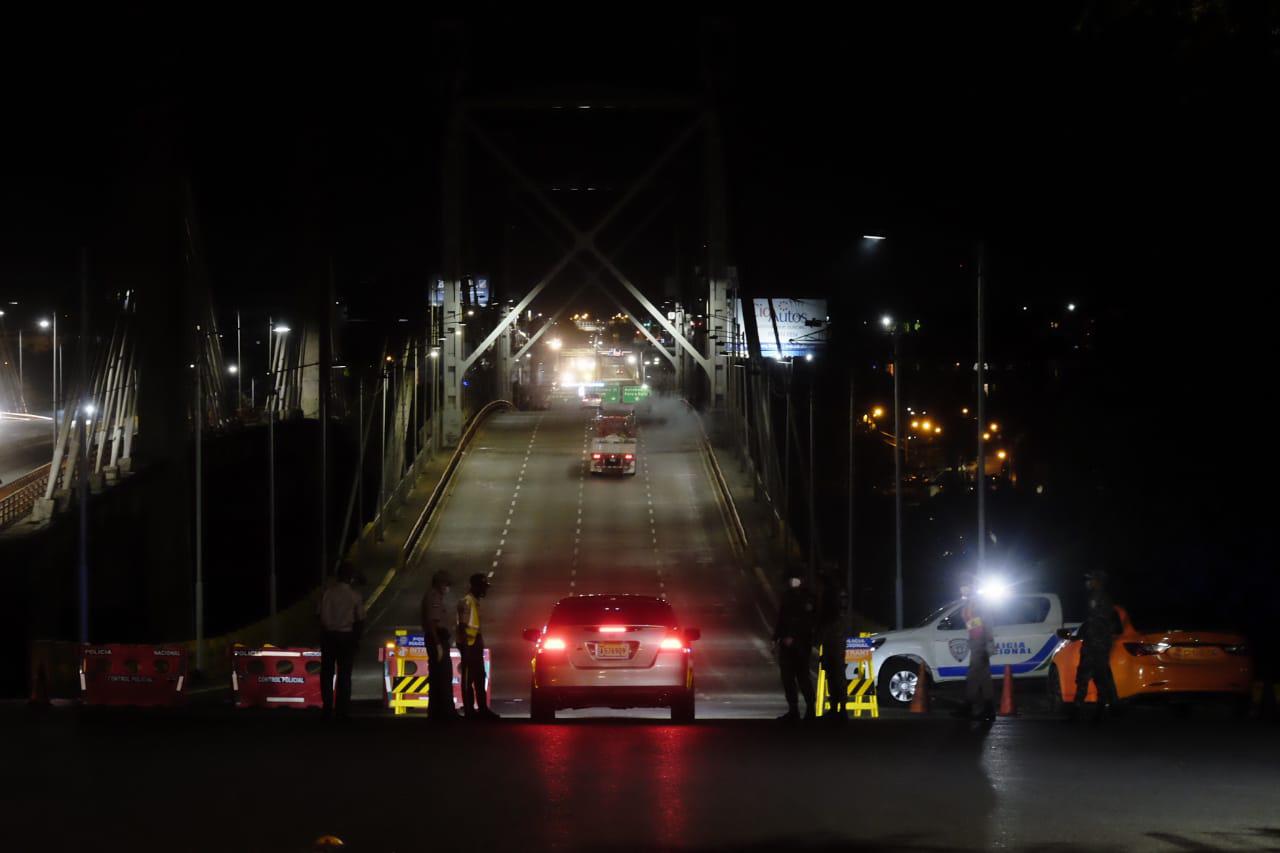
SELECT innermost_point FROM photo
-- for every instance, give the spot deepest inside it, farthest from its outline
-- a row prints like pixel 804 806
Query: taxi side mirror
pixel 691 634
pixel 531 634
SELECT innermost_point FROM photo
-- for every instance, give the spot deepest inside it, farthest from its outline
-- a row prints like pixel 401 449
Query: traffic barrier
pixel 406 680
pixel 271 677
pixel 860 687
pixel 1007 706
pixel 123 674
pixel 920 699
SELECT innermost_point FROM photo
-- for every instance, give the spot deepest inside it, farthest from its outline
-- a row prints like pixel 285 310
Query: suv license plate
pixel 613 650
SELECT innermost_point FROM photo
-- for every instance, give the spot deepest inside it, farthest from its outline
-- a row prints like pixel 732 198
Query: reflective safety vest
pixel 973 622
pixel 469 619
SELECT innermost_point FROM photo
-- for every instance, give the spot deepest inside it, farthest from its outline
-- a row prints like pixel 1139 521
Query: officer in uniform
pixel 979 690
pixel 342 614
pixel 1097 634
pixel 435 630
pixel 471 647
pixel 793 635
pixel 835 603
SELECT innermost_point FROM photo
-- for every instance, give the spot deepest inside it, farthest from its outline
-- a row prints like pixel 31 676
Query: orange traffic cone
pixel 1007 706
pixel 920 701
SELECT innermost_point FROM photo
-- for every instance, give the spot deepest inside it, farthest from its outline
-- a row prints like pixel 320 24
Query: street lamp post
pixel 887 322
pixel 980 468
pixel 271 508
pixel 45 324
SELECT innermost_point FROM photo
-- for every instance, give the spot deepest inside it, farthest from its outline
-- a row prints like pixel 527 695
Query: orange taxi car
pixel 1158 663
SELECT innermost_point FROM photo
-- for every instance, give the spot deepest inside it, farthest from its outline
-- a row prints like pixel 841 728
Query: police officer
pixel 341 612
pixel 831 618
pixel 1097 634
pixel 793 634
pixel 979 689
pixel 471 647
pixel 435 630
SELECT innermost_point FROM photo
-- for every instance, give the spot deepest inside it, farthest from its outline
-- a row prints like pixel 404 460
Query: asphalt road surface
pixel 26 443
pixel 274 781
pixel 525 507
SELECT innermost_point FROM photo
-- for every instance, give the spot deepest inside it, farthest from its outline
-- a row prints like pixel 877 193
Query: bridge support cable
pixel 585 239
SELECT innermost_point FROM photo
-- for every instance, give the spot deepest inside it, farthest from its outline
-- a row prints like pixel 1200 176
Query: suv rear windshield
pixel 618 609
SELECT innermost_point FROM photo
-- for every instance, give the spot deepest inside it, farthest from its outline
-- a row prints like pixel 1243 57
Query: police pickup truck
pixel 1024 626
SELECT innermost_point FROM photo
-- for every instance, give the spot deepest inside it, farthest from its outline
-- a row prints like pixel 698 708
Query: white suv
pixel 1024 625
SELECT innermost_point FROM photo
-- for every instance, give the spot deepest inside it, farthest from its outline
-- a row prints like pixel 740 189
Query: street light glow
pixel 808 356
pixel 631 359
pixel 986 436
pixel 232 369
pixel 877 412
pixel 995 427
pixel 89 408
pixel 44 324
pixel 554 343
pixel 886 321
pixel 872 236
pixel 1000 454
pixel 1071 306
pixel 282 330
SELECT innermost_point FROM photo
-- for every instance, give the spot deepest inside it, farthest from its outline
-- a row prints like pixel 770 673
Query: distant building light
pixel 1071 306
pixel 872 236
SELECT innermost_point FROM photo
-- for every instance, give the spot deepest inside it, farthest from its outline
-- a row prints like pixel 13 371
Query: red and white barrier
pixel 122 674
pixel 271 677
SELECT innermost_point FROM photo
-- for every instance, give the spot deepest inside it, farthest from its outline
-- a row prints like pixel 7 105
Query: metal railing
pixel 17 498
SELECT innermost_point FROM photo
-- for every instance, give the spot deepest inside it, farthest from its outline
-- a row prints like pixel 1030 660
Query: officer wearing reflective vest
pixel 471 646
pixel 979 690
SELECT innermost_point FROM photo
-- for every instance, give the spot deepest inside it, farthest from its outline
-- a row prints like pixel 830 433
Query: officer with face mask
pixel 979 690
pixel 793 635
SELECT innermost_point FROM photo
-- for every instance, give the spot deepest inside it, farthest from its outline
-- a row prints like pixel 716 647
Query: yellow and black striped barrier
pixel 860 690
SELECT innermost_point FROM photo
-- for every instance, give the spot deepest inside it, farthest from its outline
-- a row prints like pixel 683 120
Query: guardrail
pixel 17 498
pixel 424 518
pixel 737 530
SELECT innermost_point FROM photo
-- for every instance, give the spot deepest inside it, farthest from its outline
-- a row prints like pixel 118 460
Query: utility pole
pixel 271 507
pixel 848 568
pixel 83 569
pixel 382 456
pixel 197 416
pixel 897 479
pixel 786 473
pixel 360 464
pixel 980 468
pixel 813 509
pixel 22 387
pixel 239 367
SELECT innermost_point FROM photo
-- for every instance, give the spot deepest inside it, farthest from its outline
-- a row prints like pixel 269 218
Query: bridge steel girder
pixel 551 321
pixel 643 329
pixel 585 240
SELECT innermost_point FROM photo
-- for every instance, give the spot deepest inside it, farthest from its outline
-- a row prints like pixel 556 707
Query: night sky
pixel 1120 156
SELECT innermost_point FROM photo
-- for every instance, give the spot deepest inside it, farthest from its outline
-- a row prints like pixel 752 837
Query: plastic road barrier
pixel 406 682
pixel 119 674
pixel 271 677
pixel 861 684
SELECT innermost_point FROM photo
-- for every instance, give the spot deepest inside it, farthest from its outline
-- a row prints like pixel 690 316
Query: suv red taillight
pixel 595 456
pixel 628 457
pixel 552 644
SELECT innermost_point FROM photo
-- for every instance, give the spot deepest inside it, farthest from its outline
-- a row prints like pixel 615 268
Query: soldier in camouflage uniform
pixel 1097 634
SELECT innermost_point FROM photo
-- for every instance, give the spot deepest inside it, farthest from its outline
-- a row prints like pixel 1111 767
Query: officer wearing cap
pixel 1097 634
pixel 435 631
pixel 475 703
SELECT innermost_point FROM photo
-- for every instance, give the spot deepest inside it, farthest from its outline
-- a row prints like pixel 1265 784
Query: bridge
pixel 341 413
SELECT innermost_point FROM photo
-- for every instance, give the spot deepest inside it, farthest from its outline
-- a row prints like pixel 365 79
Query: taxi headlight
pixel 1141 649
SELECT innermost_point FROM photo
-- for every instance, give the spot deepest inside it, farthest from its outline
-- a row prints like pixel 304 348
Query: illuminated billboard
pixel 794 327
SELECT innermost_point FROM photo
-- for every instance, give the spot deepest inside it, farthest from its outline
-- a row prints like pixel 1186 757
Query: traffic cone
pixel 920 701
pixel 1007 706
